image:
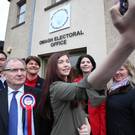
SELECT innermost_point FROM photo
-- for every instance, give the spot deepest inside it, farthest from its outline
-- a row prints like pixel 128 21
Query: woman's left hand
pixel 85 129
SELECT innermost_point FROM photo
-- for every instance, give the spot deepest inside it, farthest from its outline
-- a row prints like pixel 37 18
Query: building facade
pixel 19 28
pixel 41 28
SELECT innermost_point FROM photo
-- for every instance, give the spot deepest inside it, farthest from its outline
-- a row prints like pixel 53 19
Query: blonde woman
pixel 121 102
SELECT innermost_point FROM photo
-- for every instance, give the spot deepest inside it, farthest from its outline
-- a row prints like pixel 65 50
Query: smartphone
pixel 123 6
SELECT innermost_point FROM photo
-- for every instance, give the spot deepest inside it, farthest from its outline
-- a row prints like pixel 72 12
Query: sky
pixel 4 7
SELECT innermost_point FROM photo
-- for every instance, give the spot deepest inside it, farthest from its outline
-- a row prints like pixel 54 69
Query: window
pixel 21 11
pixel 53 3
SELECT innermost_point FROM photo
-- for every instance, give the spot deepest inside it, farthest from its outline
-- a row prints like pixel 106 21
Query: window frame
pixel 55 3
pixel 20 14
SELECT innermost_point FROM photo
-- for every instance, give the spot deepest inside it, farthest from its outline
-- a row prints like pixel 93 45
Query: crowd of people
pixel 99 100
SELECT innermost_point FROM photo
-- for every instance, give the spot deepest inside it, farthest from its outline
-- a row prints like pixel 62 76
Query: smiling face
pixel 32 67
pixel 121 74
pixel 64 66
pixel 86 65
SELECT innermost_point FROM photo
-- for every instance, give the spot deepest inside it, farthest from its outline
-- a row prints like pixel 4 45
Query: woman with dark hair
pixel 33 65
pixel 85 65
pixel 63 98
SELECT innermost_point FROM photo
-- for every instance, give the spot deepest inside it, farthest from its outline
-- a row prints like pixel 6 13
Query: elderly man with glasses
pixel 18 102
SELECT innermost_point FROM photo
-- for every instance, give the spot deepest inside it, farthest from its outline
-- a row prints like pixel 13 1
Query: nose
pixel 85 63
pixel 65 64
pixel 118 72
pixel 19 72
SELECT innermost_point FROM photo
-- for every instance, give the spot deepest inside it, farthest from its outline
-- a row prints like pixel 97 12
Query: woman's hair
pixel 52 75
pixel 131 74
pixel 79 62
pixel 131 70
pixel 34 58
pixel 1 52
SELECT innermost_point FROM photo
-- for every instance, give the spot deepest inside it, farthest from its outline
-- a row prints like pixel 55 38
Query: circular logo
pixel 28 100
pixel 59 18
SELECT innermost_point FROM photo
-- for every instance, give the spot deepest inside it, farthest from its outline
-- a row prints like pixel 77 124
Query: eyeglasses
pixel 15 70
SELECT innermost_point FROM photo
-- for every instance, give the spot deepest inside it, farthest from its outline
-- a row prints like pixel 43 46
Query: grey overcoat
pixel 67 120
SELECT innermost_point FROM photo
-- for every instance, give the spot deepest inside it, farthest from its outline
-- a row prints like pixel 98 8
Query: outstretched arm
pixel 126 27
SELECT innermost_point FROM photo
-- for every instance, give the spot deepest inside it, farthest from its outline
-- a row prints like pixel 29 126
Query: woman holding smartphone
pixel 61 99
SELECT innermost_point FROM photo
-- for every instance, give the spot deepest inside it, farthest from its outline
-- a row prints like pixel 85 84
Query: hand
pixel 85 129
pixel 125 24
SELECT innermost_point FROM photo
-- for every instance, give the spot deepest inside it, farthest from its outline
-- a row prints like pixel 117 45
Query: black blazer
pixel 39 83
pixel 4 108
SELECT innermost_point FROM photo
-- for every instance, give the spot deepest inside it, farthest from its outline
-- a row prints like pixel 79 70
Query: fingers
pixel 88 124
pixel 115 1
pixel 83 130
pixel 115 14
pixel 117 18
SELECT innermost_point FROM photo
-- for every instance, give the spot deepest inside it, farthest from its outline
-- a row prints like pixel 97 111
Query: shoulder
pixel 67 85
pixel 59 85
pixel 40 79
pixel 40 82
pixel 132 91
pixel 28 89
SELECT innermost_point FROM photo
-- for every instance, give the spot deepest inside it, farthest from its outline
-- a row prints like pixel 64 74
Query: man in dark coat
pixel 3 58
pixel 15 74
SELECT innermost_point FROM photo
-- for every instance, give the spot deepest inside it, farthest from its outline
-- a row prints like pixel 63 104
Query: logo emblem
pixel 28 100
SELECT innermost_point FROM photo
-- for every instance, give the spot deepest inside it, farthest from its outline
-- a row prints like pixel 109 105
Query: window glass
pixel 74 58
pixel 23 8
pixel 21 18
pixel 21 13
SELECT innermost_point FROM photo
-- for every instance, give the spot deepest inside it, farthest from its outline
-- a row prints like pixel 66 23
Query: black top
pixel 121 112
pixel 40 83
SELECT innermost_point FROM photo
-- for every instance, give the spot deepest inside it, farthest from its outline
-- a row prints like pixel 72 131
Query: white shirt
pixel 18 97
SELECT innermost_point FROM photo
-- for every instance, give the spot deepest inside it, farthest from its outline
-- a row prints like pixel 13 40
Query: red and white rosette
pixel 28 102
